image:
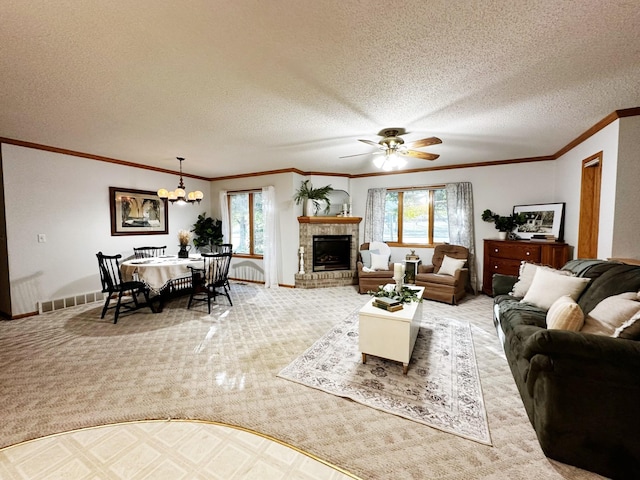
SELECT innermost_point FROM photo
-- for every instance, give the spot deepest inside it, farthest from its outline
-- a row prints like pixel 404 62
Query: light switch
pixel 42 238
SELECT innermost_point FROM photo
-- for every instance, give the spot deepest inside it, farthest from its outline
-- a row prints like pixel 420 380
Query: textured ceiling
pixel 251 85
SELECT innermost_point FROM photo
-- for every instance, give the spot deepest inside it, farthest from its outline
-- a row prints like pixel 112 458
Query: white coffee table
pixel 390 335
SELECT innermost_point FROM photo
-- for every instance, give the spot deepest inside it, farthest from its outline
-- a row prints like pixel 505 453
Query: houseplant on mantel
pixel 311 198
pixel 504 224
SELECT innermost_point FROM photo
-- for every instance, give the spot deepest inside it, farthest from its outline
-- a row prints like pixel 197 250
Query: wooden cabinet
pixel 504 256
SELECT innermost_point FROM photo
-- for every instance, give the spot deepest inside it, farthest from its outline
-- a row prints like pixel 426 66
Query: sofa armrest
pixel 502 284
pixel 585 346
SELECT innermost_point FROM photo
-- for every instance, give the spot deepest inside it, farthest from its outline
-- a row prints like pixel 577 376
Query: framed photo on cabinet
pixel 543 220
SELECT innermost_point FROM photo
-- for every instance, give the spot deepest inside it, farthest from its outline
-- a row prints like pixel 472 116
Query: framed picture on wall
pixel 137 212
pixel 542 219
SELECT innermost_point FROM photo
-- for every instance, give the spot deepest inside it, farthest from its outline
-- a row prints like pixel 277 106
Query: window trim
pixel 400 191
pixel 250 192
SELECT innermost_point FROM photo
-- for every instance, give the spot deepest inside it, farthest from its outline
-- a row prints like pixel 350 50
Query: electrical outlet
pixel 42 238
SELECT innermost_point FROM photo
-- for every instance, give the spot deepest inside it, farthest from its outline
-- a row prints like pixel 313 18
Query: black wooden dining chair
pixel 112 284
pixel 148 252
pixel 226 248
pixel 211 281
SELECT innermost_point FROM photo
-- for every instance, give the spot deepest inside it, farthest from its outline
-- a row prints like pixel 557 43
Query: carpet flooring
pixel 69 369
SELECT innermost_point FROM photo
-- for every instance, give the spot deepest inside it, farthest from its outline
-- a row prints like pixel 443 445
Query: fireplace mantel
pixel 344 220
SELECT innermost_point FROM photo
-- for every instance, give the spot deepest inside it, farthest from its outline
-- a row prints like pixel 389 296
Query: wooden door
pixel 590 206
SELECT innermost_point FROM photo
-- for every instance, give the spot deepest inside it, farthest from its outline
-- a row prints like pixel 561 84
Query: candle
pixel 301 249
pixel 397 270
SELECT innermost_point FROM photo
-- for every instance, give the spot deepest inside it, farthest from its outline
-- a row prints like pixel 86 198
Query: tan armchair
pixel 444 288
pixel 372 280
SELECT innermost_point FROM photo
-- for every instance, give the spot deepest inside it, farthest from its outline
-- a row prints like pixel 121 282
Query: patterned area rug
pixel 441 389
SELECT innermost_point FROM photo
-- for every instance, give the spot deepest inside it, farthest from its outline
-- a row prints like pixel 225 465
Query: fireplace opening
pixel 331 252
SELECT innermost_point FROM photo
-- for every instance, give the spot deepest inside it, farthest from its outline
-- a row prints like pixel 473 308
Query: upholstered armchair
pixel 444 287
pixel 372 280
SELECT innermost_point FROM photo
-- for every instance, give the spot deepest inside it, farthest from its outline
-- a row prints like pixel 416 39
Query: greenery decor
pixel 504 224
pixel 208 232
pixel 406 294
pixel 307 192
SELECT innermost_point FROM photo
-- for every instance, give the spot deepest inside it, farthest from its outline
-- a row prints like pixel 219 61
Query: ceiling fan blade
pixel 425 142
pixel 371 142
pixel 422 155
pixel 361 154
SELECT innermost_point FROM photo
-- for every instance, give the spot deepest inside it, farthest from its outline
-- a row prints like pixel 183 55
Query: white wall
pixel 626 233
pixel 497 188
pixel 287 233
pixel 67 198
pixel 568 182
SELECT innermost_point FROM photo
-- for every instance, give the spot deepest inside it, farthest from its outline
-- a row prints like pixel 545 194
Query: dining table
pixel 165 275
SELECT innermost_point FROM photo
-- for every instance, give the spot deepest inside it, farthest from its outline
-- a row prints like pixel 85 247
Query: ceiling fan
pixel 392 147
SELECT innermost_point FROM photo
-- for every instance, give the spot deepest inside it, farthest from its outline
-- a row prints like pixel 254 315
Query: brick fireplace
pixel 327 227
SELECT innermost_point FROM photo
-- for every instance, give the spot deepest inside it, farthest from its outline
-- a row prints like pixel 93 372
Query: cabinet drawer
pixel 528 252
pixel 504 266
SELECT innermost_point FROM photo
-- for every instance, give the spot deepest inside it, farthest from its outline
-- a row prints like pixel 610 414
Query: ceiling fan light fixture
pixel 379 161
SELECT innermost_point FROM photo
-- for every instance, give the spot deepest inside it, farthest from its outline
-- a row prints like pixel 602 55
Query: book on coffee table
pixel 387 301
pixel 388 304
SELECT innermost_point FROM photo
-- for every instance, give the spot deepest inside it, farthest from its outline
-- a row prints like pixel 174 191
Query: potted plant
pixel 312 198
pixel 504 224
pixel 208 233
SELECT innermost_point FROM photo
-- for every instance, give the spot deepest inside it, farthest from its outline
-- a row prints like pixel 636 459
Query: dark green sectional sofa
pixel 581 391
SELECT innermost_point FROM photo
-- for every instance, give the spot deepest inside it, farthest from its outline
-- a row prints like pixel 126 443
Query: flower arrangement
pixel 184 237
pixel 406 294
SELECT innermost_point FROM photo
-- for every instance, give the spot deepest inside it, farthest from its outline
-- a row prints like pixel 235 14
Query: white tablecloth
pixel 158 271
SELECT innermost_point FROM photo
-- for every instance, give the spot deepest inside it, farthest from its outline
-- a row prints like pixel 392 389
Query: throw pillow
pixel 525 277
pixel 451 265
pixel 379 262
pixel 629 329
pixel 366 257
pixel 548 286
pixel 565 314
pixel 611 313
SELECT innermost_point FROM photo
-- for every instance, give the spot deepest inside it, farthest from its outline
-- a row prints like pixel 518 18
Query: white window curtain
pixel 374 215
pixel 270 255
pixel 224 217
pixel 461 227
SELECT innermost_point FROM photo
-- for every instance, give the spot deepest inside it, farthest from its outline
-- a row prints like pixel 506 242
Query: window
pixel 416 216
pixel 247 225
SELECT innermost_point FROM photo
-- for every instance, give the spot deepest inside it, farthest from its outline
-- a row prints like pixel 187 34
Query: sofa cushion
pixel 548 286
pixel 629 329
pixel 436 278
pixel 565 314
pixel 525 277
pixel 611 313
pixel 366 257
pixel 451 265
pixel 612 279
pixel 379 261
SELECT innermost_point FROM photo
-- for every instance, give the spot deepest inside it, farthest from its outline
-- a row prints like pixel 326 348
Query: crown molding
pixel 612 117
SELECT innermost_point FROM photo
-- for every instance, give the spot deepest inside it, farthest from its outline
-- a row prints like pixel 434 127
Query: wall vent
pixel 72 301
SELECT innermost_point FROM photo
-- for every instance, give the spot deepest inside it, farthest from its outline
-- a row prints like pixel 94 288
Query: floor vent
pixel 66 302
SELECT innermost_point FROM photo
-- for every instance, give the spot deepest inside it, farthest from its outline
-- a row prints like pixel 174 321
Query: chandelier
pixel 179 195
